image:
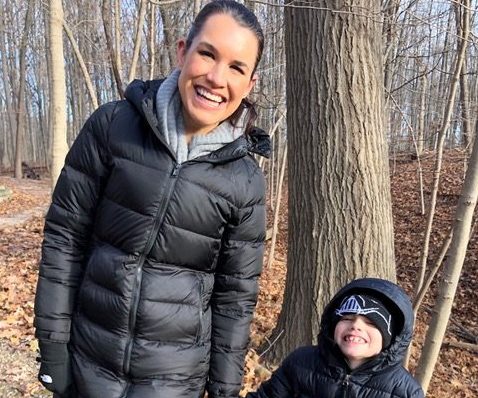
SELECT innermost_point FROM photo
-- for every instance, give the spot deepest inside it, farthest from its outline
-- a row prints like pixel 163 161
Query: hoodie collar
pixel 402 312
pixel 142 95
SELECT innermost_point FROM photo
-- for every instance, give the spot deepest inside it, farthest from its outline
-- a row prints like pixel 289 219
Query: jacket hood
pixel 396 301
pixel 139 91
pixel 142 95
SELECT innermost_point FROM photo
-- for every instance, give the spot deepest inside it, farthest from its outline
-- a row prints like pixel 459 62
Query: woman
pixel 154 239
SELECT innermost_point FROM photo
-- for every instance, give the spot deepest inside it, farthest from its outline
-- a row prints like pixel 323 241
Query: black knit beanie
pixel 371 308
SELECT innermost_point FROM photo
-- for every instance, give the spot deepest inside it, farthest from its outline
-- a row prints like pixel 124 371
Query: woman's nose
pixel 216 76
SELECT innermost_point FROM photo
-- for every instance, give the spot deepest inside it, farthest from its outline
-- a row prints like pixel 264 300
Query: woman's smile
pixel 214 99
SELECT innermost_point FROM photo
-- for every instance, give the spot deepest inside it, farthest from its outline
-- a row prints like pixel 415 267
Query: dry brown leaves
pixel 456 372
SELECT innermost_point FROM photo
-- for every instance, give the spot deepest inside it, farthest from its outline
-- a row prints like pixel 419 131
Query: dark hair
pixel 245 18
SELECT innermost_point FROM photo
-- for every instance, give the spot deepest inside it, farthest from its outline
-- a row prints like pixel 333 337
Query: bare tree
pixel 461 235
pixel 138 38
pixel 21 114
pixel 107 25
pixel 58 94
pixel 440 143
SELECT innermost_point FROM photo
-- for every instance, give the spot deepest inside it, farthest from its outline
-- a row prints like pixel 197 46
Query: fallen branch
pixel 461 345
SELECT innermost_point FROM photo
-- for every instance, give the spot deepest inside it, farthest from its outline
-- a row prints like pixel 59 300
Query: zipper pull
pixel 175 171
pixel 345 383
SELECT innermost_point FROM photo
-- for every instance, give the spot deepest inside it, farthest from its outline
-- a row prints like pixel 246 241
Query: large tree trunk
pixel 58 93
pixel 340 220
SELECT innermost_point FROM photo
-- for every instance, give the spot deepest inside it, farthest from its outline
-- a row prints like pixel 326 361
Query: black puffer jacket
pixel 149 270
pixel 321 371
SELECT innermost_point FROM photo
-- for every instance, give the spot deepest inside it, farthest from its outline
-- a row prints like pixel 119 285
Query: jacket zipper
pixel 345 385
pixel 139 270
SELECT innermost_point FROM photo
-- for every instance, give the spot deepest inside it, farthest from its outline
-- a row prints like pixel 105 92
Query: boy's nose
pixel 357 324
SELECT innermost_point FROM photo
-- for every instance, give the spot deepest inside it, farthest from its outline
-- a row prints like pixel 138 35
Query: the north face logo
pixel 46 379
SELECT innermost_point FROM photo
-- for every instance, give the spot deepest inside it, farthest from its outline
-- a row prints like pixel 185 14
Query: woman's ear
pixel 181 52
pixel 252 83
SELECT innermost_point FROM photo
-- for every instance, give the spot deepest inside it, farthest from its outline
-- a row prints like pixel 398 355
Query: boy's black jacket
pixel 321 371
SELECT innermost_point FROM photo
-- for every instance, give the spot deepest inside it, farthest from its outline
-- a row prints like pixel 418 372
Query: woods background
pixel 419 48
pixel 412 63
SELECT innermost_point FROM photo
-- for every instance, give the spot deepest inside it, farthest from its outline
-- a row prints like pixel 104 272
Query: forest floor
pixel 456 373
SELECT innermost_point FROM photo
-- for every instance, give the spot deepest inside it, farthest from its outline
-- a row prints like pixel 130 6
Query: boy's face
pixel 357 338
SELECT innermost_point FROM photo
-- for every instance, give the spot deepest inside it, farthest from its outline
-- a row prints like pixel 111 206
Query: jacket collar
pixel 142 95
pixel 402 312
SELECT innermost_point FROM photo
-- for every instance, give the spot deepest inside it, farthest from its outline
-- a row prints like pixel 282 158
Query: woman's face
pixel 216 72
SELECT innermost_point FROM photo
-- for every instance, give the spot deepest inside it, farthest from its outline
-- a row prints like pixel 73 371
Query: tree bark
pixel 9 106
pixel 117 36
pixel 138 39
pixel 58 94
pixel 81 62
pixel 21 108
pixel 461 236
pixel 111 50
pixel 340 220
pixel 275 226
pixel 440 144
pixel 152 40
pixel 464 92
pixel 421 115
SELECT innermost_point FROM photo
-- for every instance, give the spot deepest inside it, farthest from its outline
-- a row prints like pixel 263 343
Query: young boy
pixel 364 333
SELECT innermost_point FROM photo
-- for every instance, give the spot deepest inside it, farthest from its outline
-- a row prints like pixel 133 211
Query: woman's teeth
pixel 209 96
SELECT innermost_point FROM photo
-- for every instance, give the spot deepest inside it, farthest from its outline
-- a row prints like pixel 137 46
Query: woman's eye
pixel 205 53
pixel 238 69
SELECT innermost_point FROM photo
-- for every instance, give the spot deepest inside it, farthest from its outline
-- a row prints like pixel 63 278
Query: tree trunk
pixel 105 14
pixel 19 141
pixel 440 143
pixel 461 236
pixel 117 36
pixel 152 40
pixel 58 94
pixel 138 39
pixel 11 126
pixel 340 220
pixel 421 117
pixel 464 92
pixel 275 226
pixel 197 7
pixel 81 62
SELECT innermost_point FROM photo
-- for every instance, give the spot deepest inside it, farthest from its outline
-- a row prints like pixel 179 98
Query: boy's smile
pixel 358 339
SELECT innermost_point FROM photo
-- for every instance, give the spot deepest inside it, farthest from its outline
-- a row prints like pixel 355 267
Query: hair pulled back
pixel 245 18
